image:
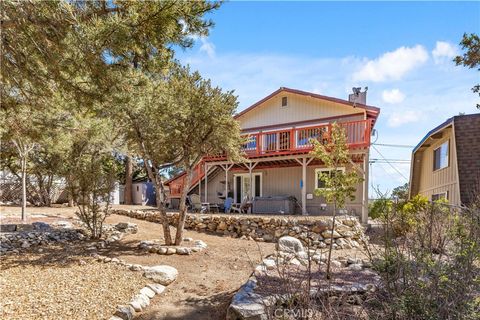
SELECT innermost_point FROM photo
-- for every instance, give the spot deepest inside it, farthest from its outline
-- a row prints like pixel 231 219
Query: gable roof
pixel 372 112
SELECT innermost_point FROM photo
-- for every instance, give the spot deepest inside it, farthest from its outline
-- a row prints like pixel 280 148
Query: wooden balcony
pixel 283 142
pixel 298 140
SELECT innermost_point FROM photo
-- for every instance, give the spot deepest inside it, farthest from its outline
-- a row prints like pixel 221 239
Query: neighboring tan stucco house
pixel 446 162
pixel 279 165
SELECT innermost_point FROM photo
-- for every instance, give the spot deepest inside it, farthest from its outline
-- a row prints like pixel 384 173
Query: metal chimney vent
pixel 358 97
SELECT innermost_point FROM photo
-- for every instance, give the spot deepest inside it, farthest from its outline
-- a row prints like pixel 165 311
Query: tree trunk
pixel 183 207
pixel 331 240
pixel 24 188
pixel 128 181
pixel 160 199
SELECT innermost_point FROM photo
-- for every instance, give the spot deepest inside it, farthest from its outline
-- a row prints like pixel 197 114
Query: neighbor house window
pixel 319 182
pixel 440 156
pixel 438 196
pixel 284 101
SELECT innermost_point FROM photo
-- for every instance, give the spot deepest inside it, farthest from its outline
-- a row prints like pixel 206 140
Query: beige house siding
pixel 443 180
pixel 299 108
pixel 281 182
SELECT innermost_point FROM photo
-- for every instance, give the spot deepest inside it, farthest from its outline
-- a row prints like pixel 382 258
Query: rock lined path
pixel 207 280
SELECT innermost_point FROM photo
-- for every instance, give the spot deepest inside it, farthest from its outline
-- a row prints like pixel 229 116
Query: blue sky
pixel 402 51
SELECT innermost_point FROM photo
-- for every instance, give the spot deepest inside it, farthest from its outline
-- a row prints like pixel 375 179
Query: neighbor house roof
pixel 372 111
pixel 429 133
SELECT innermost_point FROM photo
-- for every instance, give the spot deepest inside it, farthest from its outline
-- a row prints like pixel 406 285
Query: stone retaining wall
pixel 312 231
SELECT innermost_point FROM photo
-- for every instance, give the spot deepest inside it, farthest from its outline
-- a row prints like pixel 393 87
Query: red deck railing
pixel 285 142
pixel 297 140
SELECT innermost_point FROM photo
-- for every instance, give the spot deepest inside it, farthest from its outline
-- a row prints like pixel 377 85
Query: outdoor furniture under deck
pixel 210 207
pixel 274 205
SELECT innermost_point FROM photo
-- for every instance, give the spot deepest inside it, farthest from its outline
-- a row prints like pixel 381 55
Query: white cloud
pixel 392 65
pixel 444 51
pixel 393 96
pixel 398 118
pixel 207 47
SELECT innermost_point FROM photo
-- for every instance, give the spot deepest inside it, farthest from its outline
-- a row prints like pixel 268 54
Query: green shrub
pixel 430 263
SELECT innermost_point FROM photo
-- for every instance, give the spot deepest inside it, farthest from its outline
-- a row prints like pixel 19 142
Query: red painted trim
pixel 373 110
pixel 298 123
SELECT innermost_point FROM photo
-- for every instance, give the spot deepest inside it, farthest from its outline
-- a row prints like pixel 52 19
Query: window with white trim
pixel 440 156
pixel 438 196
pixel 320 183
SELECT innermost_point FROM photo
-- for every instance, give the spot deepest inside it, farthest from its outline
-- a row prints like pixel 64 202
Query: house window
pixel 319 183
pixel 440 157
pixel 137 188
pixel 284 101
pixel 438 196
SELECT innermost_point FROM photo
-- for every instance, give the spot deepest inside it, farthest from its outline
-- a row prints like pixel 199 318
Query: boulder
pixel 328 234
pixel 148 292
pixel 125 312
pixel 336 264
pixel 269 264
pixel 222 226
pixel 355 267
pixel 183 251
pixel 267 237
pixel 41 226
pixel 341 242
pixel 289 244
pixel 156 287
pixel 140 302
pixel 246 304
pixel 349 221
pixel 200 244
pixel 135 267
pixel 161 274
pixel 8 227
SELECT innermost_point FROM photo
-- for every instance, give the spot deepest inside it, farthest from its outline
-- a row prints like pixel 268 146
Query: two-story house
pixel 280 176
pixel 446 162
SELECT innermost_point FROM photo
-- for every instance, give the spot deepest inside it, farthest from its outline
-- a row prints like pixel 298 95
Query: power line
pixel 387 172
pixel 386 160
pixel 393 145
pixel 391 160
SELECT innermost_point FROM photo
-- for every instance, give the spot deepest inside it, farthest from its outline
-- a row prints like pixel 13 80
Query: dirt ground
pixel 207 280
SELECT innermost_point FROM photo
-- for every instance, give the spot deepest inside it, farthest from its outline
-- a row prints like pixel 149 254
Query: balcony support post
pixel 206 183
pixel 365 188
pixel 250 166
pixel 226 167
pixel 304 163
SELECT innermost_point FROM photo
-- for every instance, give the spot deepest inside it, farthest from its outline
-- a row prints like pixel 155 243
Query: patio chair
pixel 228 205
pixel 242 207
pixel 195 203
